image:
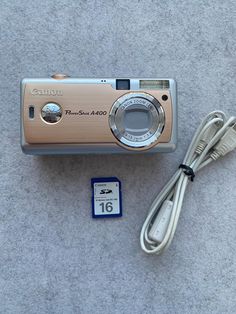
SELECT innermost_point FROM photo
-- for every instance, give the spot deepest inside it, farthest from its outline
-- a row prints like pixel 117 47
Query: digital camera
pixel 63 115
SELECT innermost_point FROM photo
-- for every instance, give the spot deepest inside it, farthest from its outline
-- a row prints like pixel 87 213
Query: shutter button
pixel 59 76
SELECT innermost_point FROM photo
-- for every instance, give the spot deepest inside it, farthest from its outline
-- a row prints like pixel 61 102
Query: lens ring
pixel 146 102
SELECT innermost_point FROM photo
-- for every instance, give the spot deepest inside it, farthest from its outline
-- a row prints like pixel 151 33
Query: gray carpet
pixel 54 258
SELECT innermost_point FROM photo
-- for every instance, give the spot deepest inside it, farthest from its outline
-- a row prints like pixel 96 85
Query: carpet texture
pixel 54 258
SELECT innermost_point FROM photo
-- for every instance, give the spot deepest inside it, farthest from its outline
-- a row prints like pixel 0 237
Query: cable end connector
pixel 226 144
pixel 160 225
pixel 207 137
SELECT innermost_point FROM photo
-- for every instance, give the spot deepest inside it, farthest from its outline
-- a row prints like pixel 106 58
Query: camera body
pixel 63 115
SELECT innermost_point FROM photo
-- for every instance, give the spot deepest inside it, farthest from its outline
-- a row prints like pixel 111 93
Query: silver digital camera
pixel 63 115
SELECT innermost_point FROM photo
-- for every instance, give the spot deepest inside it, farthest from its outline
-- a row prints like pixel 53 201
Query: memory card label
pixel 106 200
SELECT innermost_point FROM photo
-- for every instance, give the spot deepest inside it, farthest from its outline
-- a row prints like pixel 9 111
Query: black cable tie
pixel 188 171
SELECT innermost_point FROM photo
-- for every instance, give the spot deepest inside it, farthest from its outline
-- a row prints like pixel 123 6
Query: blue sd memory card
pixel 106 198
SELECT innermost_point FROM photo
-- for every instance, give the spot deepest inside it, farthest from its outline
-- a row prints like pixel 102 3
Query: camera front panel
pixel 79 114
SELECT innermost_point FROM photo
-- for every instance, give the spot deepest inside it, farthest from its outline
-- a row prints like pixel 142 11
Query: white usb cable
pixel 215 137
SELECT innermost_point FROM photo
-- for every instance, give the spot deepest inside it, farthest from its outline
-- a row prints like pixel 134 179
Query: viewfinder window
pixel 123 84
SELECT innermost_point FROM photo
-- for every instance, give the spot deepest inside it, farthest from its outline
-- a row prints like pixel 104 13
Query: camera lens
pixel 137 120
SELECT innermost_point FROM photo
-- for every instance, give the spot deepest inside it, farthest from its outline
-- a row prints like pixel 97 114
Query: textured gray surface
pixel 53 257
